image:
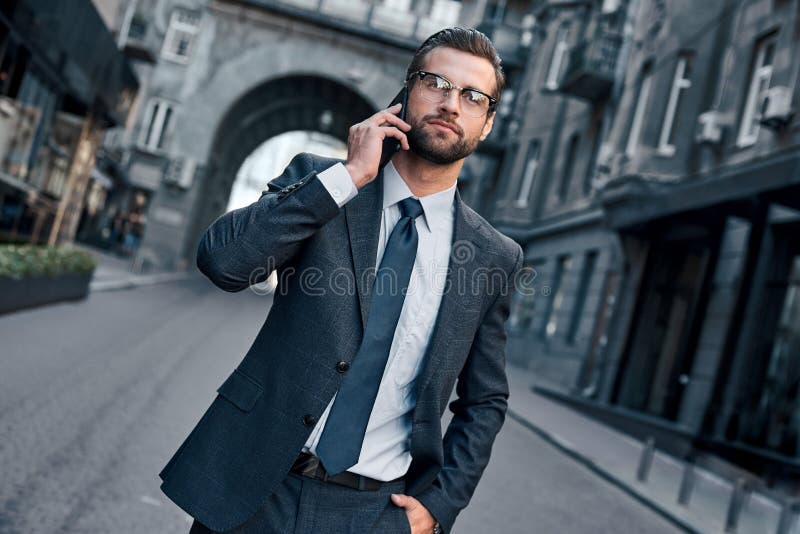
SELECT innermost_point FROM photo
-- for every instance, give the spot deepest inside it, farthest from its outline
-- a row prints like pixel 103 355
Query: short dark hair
pixel 467 40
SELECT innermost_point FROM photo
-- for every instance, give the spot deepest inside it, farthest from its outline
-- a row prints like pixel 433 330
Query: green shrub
pixel 18 261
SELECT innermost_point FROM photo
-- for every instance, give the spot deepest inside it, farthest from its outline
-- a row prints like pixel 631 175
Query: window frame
pixel 152 126
pixel 176 25
pixel 549 326
pixel 679 83
pixel 557 59
pixel 532 157
pixel 635 131
pixel 749 127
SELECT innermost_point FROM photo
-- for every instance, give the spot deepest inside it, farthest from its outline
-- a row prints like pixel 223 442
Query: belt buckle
pixel 309 465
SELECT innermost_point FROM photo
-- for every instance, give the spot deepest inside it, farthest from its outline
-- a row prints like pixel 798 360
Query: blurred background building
pixel 62 84
pixel 654 186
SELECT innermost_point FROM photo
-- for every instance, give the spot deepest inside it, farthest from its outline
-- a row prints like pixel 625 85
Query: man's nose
pixel 451 103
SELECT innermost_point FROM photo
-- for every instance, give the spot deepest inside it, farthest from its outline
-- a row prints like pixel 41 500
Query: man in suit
pixel 389 290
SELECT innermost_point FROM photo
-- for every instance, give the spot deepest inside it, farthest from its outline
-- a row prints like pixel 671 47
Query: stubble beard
pixel 434 146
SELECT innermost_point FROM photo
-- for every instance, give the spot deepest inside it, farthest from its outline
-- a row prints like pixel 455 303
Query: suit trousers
pixel 302 505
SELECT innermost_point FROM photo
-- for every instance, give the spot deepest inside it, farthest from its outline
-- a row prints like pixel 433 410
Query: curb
pixel 136 281
pixel 571 451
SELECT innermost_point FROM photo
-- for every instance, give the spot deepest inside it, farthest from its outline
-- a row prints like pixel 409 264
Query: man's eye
pixel 475 98
pixel 431 82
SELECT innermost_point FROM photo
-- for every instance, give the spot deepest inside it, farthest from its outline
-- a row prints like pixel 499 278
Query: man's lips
pixel 444 125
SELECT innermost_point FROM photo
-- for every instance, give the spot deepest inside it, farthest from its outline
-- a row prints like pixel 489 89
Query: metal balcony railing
pixel 590 72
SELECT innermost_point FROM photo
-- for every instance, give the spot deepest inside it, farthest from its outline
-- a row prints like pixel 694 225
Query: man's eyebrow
pixel 473 86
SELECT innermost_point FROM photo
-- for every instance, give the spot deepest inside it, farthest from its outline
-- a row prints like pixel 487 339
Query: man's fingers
pixel 404 501
pixel 400 500
pixel 396 121
pixel 383 117
pixel 391 131
pixel 384 113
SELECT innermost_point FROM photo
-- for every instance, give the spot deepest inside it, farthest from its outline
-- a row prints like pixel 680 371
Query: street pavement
pixel 96 395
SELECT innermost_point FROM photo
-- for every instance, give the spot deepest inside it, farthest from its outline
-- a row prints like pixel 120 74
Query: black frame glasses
pixel 449 87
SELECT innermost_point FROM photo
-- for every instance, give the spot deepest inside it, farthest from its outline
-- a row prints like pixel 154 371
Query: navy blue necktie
pixel 340 444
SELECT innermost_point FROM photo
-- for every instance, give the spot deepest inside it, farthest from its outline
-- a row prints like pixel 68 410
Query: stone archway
pixel 294 102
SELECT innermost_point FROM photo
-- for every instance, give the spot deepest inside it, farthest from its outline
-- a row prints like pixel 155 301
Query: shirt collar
pixel 436 207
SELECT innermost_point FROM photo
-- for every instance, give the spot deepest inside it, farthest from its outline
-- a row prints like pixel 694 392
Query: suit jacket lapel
pixel 363 215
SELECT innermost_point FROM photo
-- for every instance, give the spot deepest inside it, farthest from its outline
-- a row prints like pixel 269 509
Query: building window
pixel 759 83
pixel 554 303
pixel 181 35
pixel 530 172
pixel 559 52
pixel 589 262
pixel 523 304
pixel 635 130
pixel 134 27
pixel 679 83
pixel 138 28
pixel 569 165
pixel 157 125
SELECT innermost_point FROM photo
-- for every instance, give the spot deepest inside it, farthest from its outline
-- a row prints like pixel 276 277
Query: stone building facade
pixel 654 187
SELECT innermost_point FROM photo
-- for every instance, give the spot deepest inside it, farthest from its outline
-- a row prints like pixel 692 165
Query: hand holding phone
pixel 373 142
pixel 390 144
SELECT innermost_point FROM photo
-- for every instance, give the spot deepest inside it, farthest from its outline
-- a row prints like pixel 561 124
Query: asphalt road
pixel 95 397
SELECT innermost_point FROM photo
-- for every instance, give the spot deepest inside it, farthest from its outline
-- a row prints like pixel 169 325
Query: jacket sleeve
pixel 478 413
pixel 242 247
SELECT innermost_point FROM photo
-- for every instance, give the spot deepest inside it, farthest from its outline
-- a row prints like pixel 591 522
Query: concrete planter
pixel 19 293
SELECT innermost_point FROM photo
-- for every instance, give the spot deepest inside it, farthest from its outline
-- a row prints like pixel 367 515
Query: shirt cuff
pixel 339 183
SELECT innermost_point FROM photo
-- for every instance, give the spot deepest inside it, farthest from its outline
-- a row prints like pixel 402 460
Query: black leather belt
pixel 309 466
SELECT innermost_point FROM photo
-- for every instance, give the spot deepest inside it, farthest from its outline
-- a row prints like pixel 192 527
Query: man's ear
pixel 487 128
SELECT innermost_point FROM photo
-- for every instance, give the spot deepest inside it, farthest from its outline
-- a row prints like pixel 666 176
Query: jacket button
pixel 309 420
pixel 343 367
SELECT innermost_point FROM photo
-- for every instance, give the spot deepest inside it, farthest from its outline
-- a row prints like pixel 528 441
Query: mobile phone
pixel 390 144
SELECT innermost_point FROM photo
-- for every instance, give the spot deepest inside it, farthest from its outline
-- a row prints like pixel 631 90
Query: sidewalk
pixel 113 272
pixel 615 457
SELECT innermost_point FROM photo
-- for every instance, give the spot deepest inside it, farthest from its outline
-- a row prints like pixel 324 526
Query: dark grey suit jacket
pixel 251 434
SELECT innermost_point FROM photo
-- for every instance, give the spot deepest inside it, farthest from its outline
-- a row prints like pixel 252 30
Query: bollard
pixel 738 497
pixel 687 482
pixel 646 460
pixel 788 517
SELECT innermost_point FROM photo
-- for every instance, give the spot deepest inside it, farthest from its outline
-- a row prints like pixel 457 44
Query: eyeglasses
pixel 436 88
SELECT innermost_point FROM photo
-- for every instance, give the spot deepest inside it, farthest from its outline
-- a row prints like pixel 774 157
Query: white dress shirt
pixel 385 453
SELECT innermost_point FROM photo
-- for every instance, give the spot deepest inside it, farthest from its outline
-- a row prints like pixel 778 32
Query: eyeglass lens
pixel 436 89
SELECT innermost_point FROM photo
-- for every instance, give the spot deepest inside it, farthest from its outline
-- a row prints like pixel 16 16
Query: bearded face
pixel 440 131
pixel 434 142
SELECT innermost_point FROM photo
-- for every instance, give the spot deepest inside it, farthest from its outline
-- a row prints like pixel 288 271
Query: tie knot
pixel 410 207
